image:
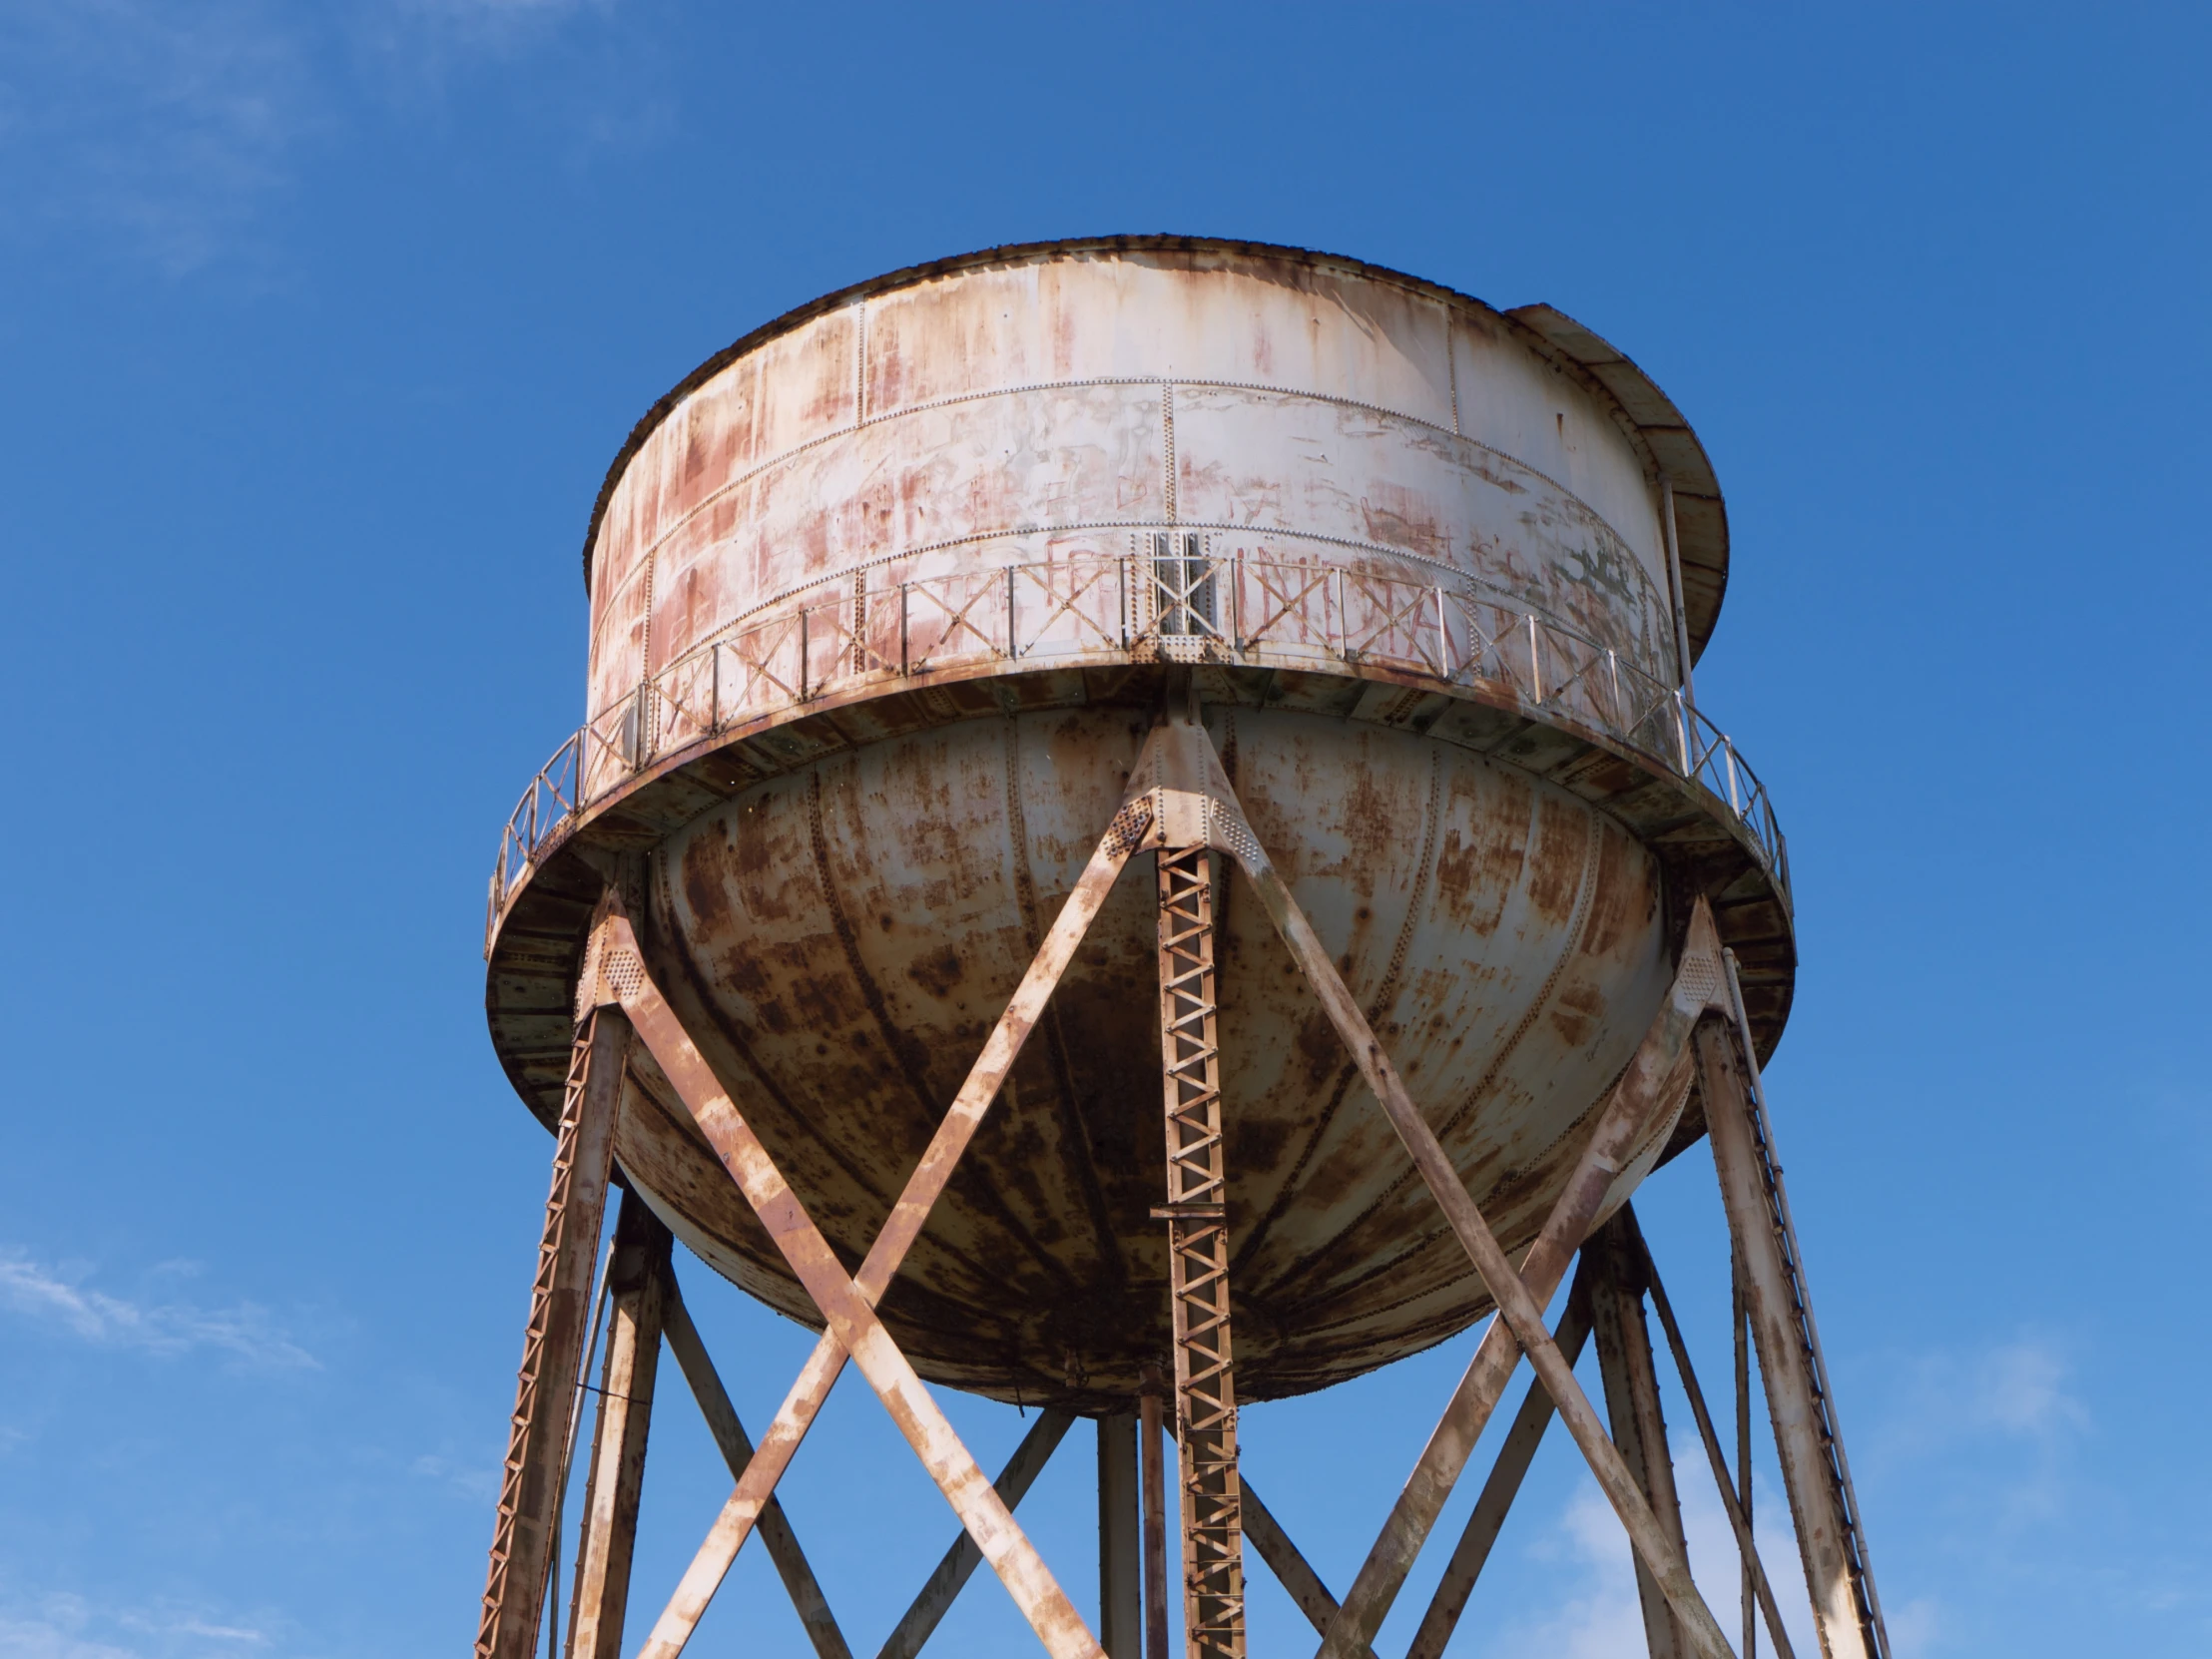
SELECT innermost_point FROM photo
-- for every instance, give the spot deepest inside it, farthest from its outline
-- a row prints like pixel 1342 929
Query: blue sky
pixel 317 328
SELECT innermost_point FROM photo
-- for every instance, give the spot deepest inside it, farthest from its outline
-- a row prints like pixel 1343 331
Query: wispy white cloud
pixel 478 1482
pixel 2010 1406
pixel 177 128
pixel 166 1326
pixel 2021 1387
pixel 69 1626
pixel 169 125
pixel 1600 1615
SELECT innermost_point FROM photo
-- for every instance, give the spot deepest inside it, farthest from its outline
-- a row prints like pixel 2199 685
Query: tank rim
pixel 1606 371
pixel 535 940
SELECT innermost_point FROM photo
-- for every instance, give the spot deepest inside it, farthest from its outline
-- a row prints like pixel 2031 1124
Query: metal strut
pixel 529 1495
pixel 1798 1317
pixel 1197 1256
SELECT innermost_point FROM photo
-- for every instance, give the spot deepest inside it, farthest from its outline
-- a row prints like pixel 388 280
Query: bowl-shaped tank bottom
pixel 840 940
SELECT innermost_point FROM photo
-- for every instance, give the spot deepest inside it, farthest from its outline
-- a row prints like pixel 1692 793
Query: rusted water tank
pixel 883 602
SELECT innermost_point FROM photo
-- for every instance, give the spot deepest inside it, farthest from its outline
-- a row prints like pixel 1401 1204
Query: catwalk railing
pixel 849 633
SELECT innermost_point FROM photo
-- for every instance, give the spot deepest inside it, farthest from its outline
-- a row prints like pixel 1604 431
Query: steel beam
pixel 1640 1109
pixel 958 1563
pixel 1500 1490
pixel 1844 1611
pixel 553 1342
pixel 1632 1405
pixel 1517 1308
pixel 1151 1465
pixel 636 1276
pixel 1754 1571
pixel 1120 1539
pixel 1739 1317
pixel 777 1537
pixel 803 1402
pixel 849 1312
pixel 1198 1258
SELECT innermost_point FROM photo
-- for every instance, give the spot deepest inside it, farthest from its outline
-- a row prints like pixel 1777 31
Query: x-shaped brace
pixel 615 971
pixel 1194 784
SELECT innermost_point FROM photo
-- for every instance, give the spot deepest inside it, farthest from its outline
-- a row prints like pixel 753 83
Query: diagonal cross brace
pixel 804 1400
pixel 1519 1311
pixel 958 1563
pixel 850 1315
pixel 799 1583
pixel 1640 1108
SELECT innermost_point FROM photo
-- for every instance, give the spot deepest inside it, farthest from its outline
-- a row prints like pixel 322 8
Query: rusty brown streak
pixel 1499 1491
pixel 1655 1075
pixel 1519 1311
pixel 853 1319
pixel 736 1446
pixel 1736 1516
pixel 905 1225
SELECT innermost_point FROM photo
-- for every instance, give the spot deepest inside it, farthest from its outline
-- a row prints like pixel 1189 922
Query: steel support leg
pixel 1152 1463
pixel 1632 1405
pixel 958 1563
pixel 1499 1491
pixel 553 1344
pixel 1814 1475
pixel 1198 1258
pixel 855 1297
pixel 1520 1312
pixel 1640 1112
pixel 1120 1540
pixel 636 1278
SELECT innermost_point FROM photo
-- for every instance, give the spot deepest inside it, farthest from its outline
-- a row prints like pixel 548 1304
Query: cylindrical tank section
pixel 883 602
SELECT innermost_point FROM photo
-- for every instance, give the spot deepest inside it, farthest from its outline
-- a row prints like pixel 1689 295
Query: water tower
pixel 1144 842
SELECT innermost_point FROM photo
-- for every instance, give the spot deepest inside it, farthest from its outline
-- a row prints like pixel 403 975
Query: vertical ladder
pixel 1872 1628
pixel 537 1435
pixel 1197 1256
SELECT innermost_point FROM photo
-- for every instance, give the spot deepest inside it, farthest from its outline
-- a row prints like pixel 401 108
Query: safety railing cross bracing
pixel 1172 602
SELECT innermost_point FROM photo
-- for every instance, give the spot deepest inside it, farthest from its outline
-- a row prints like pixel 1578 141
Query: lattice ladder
pixel 1198 1255
pixel 538 1432
pixel 1869 1604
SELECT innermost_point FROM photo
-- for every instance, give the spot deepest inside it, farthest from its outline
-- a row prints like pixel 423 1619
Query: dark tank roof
pixel 1651 417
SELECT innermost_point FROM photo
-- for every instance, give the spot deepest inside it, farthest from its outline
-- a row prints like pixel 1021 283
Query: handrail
pixel 843 633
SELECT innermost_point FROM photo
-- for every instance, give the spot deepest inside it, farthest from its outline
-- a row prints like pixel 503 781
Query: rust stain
pixel 845 934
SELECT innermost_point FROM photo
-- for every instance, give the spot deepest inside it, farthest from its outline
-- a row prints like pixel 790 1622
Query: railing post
pixel 1013 640
pixel 1535 664
pixel 1444 639
pixel 1735 801
pixel 803 614
pixel 906 667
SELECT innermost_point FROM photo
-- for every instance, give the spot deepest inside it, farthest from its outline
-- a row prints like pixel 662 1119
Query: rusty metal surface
pixel 525 1528
pixel 1638 1115
pixel 1517 1308
pixel 1847 1609
pixel 839 963
pixel 1487 1519
pixel 637 1277
pixel 881 601
pixel 848 1308
pixel 845 641
pixel 1632 1406
pixel 1199 1248
pixel 1753 1569
pixel 1068 317
pixel 736 1446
